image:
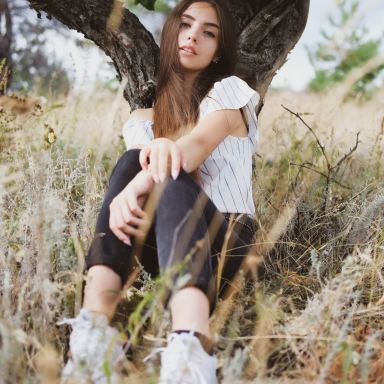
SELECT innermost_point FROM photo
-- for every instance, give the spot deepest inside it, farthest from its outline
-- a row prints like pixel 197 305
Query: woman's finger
pixel 119 218
pixel 135 221
pixel 163 162
pixel 113 225
pixel 125 211
pixel 154 163
pixel 143 157
pixel 124 231
pixel 132 231
pixel 175 161
pixel 112 216
pixel 122 236
pixel 134 206
pixel 123 214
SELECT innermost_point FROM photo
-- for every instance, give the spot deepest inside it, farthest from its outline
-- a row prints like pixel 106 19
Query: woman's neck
pixel 189 80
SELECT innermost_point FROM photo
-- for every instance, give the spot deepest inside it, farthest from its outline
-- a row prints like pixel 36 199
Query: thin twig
pixel 345 157
pixel 322 148
pixel 321 174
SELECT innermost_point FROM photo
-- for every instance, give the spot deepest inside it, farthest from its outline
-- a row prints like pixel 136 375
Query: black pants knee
pixel 187 234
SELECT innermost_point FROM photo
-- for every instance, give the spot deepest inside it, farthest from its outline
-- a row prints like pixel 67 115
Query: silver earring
pixel 215 61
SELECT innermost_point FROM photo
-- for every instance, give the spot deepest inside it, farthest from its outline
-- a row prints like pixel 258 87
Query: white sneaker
pixel 184 361
pixel 96 350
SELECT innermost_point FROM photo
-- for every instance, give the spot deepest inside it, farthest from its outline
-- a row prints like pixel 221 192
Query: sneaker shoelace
pixel 180 352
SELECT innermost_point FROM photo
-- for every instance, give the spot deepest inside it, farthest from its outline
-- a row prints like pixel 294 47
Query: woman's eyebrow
pixel 207 24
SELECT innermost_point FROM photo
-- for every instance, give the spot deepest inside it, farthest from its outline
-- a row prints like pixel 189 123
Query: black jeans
pixel 187 229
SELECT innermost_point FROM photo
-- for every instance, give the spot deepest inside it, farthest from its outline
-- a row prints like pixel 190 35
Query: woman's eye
pixel 209 34
pixel 183 24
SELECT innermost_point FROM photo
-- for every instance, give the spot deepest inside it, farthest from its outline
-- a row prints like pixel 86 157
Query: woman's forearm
pixel 193 152
pixel 197 145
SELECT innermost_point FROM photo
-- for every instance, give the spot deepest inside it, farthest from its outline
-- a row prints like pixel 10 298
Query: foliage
pixel 149 4
pixel 162 6
pixel 345 46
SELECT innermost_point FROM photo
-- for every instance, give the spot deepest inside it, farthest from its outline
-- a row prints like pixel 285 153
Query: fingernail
pixel 162 176
pixel 175 173
pixel 155 178
pixel 128 242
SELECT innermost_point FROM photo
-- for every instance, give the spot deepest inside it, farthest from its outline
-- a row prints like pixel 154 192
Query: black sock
pixel 205 341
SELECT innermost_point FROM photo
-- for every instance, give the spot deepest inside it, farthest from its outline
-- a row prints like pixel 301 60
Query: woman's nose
pixel 192 35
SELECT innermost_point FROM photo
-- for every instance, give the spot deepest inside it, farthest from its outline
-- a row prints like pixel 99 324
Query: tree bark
pixel 5 45
pixel 267 31
pixel 267 39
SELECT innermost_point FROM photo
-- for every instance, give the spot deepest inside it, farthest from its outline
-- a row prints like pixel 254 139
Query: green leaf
pixel 149 4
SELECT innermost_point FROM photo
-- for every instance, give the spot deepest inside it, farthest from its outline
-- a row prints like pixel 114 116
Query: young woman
pixel 196 145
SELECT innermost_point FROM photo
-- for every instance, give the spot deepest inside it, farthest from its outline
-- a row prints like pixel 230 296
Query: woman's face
pixel 198 37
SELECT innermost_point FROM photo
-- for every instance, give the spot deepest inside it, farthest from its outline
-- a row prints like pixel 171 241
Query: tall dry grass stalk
pixel 309 304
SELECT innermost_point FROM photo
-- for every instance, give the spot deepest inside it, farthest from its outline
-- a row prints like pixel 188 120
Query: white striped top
pixel 226 175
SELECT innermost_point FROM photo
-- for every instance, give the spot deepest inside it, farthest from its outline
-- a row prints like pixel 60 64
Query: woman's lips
pixel 188 50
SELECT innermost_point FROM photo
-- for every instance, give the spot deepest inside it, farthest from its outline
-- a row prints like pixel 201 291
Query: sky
pixel 295 73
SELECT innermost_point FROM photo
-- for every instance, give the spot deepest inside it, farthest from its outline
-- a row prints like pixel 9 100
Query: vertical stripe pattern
pixel 227 173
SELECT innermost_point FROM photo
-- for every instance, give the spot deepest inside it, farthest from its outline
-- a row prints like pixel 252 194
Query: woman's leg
pixel 102 290
pixel 188 223
pixel 181 234
pixel 188 226
pixel 229 249
pixel 110 261
pixel 190 311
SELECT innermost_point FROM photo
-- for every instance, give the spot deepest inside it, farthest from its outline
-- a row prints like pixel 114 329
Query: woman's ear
pixel 216 56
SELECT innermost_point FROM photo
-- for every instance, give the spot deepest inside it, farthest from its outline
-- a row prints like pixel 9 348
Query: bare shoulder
pixel 232 118
pixel 142 114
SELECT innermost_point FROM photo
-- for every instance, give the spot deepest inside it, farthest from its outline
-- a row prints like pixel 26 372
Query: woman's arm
pixel 196 146
pixel 191 150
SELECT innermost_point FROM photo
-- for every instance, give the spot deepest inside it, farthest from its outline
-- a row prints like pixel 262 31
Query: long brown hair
pixel 173 108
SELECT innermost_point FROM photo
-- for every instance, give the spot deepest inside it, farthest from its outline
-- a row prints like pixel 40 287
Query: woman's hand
pixel 159 152
pixel 127 217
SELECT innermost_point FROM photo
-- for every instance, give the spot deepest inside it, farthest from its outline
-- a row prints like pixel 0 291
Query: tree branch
pixel 321 174
pixel 119 33
pixel 322 148
pixel 345 157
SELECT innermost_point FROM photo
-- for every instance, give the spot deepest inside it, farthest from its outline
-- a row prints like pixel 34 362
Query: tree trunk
pixel 267 31
pixel 5 45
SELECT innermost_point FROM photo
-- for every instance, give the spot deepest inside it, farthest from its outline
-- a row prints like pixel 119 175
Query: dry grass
pixel 312 312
